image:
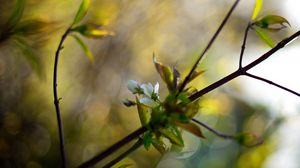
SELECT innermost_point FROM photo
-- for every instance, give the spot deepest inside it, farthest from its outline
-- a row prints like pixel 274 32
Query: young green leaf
pixel 147 139
pixel 17 14
pixel 265 37
pixel 248 139
pixel 92 31
pixel 192 128
pixel 85 48
pixel 159 145
pixel 125 165
pixel 173 134
pixel 165 73
pixel 81 11
pixel 144 113
pixel 268 21
pixel 257 8
pixel 195 74
pixel 192 109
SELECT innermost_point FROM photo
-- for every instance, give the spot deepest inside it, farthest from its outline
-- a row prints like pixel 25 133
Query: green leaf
pixel 30 27
pixel 147 139
pixel 165 73
pixel 257 8
pixel 81 11
pixel 29 54
pixel 144 113
pixel 184 97
pixel 17 14
pixel 268 21
pixel 192 109
pixel 85 48
pixel 192 128
pixel 92 31
pixel 176 78
pixel 265 37
pixel 125 165
pixel 195 74
pixel 173 134
pixel 248 139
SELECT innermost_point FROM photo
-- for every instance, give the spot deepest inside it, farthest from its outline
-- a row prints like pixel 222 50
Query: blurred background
pixel 93 115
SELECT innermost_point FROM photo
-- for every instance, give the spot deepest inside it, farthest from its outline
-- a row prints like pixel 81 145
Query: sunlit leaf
pixel 17 14
pixel 159 145
pixel 268 21
pixel 192 109
pixel 195 74
pixel 81 11
pixel 125 165
pixel 29 54
pixel 248 139
pixel 147 139
pixel 85 48
pixel 183 97
pixel 144 113
pixel 173 134
pixel 165 73
pixel 192 128
pixel 265 37
pixel 92 31
pixel 257 8
pixel 30 27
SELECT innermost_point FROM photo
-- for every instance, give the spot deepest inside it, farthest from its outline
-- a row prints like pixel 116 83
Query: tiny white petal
pixel 148 89
pixel 132 85
pixel 148 102
pixel 156 88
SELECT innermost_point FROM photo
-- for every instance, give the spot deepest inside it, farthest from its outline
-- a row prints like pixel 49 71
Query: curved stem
pixel 187 78
pixel 138 144
pixel 244 45
pixel 113 148
pixel 56 100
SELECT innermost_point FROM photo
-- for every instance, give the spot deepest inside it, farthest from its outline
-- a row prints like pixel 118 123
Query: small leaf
pixel 125 165
pixel 248 139
pixel 147 139
pixel 85 48
pixel 165 73
pixel 30 27
pixel 173 134
pixel 268 21
pixel 159 145
pixel 183 97
pixel 81 11
pixel 192 109
pixel 265 37
pixel 92 31
pixel 257 8
pixel 192 128
pixel 176 77
pixel 195 74
pixel 144 113
pixel 128 102
pixel 17 14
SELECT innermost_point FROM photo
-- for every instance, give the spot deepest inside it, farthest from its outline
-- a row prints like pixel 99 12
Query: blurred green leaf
pixel 247 139
pixel 271 20
pixel 81 11
pixel 92 31
pixel 17 14
pixel 159 145
pixel 265 37
pixel 257 8
pixel 30 27
pixel 125 165
pixel 176 78
pixel 173 134
pixel 192 128
pixel 29 54
pixel 195 74
pixel 184 97
pixel 144 113
pixel 147 139
pixel 192 109
pixel 165 73
pixel 85 48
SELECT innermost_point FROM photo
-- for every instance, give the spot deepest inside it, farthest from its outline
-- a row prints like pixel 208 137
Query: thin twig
pixel 244 45
pixel 243 70
pixel 113 148
pixel 137 145
pixel 272 83
pixel 225 136
pixel 187 78
pixel 56 100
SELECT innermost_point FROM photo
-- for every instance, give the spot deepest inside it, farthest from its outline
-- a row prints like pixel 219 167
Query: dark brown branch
pixel 113 148
pixel 272 83
pixel 224 136
pixel 137 145
pixel 56 100
pixel 187 78
pixel 243 70
pixel 244 45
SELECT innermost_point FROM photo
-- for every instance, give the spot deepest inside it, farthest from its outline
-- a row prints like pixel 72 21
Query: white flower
pixel 156 88
pixel 148 102
pixel 133 86
pixel 148 89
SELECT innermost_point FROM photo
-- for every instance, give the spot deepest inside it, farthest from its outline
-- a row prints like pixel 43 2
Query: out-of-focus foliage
pixel 92 110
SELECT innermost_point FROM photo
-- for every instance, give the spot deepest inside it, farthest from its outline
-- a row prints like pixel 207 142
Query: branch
pixel 113 148
pixel 208 46
pixel 244 44
pixel 225 136
pixel 56 99
pixel 243 70
pixel 138 144
pixel 272 83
